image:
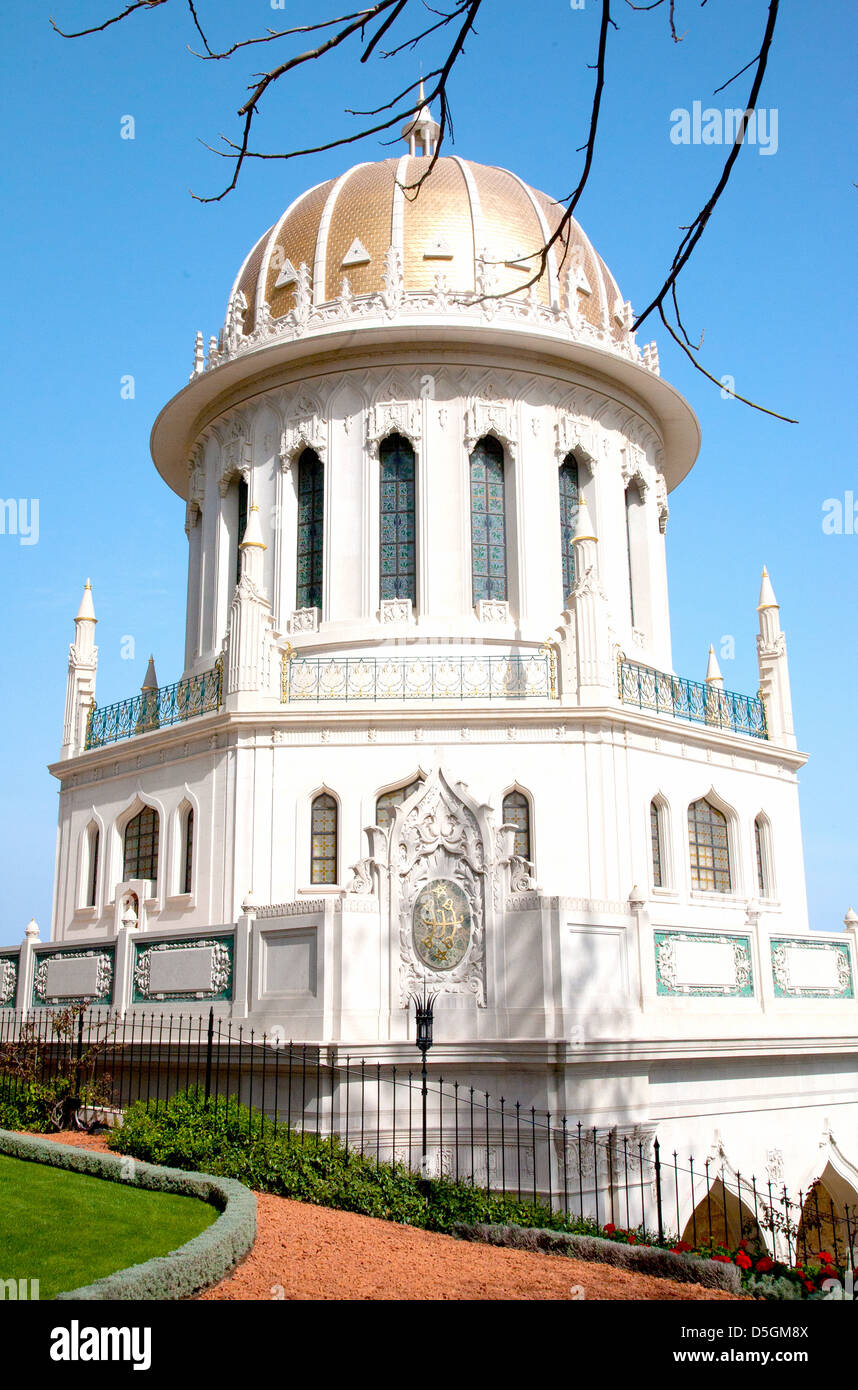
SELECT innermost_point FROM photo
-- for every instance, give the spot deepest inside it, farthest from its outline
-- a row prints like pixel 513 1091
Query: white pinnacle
pixel 767 593
pixel 86 612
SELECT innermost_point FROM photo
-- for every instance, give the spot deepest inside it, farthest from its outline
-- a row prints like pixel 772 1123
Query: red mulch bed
pixel 303 1252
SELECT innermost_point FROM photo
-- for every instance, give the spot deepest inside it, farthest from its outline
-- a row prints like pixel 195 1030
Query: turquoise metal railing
pixel 423 678
pixel 695 700
pixel 155 709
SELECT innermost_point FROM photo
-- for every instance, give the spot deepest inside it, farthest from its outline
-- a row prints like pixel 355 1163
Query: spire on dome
pixel 151 681
pixel 86 612
pixel 421 132
pixel 767 593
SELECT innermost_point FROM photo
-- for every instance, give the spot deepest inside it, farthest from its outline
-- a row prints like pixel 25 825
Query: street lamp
pixel 424 1010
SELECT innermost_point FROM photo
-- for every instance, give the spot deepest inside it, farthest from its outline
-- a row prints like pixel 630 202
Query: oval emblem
pixel 442 924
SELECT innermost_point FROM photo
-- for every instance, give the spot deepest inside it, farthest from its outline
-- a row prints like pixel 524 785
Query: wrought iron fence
pixel 156 709
pixel 604 1175
pixel 420 678
pixel 695 700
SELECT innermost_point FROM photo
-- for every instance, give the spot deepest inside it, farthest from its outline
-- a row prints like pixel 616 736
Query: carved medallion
pixel 442 924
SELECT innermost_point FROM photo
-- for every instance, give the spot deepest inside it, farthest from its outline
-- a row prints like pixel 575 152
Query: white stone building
pixel 427 632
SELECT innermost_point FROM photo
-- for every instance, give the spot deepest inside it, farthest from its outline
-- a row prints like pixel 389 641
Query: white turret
pixel 596 671
pixel 774 667
pixel 248 666
pixel 80 683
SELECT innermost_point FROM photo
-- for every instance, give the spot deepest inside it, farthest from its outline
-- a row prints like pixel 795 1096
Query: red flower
pixel 827 1272
pixel 681 1247
pixel 743 1261
pixel 765 1264
pixel 824 1257
pixel 632 1239
pixel 609 1229
pixel 722 1259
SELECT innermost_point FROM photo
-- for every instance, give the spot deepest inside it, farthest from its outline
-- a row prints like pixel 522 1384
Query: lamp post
pixel 424 1012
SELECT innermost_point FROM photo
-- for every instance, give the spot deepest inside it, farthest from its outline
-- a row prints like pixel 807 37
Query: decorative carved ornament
pixel 436 843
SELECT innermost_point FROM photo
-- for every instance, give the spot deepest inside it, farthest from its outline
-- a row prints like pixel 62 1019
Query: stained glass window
pixel 92 867
pixel 710 853
pixel 655 834
pixel 759 832
pixel 188 851
pixel 568 479
pixel 311 519
pixel 516 811
pixel 141 846
pixel 242 525
pixel 385 806
pixel 488 521
pixel 397 548
pixel 323 850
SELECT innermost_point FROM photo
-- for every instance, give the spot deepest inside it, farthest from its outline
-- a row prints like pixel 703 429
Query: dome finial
pixel 421 132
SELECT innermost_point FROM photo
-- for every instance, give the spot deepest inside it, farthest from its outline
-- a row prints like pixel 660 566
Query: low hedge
pixel 197 1265
pixel 226 1137
pixel 641 1259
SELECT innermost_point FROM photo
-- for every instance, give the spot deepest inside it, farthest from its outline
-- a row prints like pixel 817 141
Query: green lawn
pixel 67 1229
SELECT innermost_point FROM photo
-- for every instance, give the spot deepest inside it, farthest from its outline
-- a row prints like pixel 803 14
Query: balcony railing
pixel 155 709
pixel 423 678
pixel 694 700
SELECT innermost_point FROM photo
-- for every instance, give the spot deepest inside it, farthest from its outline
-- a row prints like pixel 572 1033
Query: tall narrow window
pixel 323 849
pixel 516 811
pixel 708 843
pixel 141 846
pixel 311 519
pixel 92 866
pixel 488 521
pixel 761 844
pixel 397 559
pixel 385 806
pixel 655 837
pixel 241 524
pixel 188 850
pixel 568 480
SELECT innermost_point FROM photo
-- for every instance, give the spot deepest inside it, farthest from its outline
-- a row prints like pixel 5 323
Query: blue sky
pixel 111 267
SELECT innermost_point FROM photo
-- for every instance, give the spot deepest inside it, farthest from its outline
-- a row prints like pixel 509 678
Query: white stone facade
pixel 585 987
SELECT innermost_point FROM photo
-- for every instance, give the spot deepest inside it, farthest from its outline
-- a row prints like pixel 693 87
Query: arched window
pixel 141 846
pixel 311 519
pixel 655 838
pixel 323 848
pixel 187 850
pixel 488 521
pixel 385 806
pixel 762 847
pixel 710 851
pixel 516 811
pixel 397 557
pixel 242 491
pixel 568 482
pixel 91 866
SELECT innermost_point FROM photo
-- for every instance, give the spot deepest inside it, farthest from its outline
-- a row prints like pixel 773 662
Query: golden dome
pixel 477 226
